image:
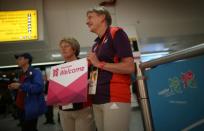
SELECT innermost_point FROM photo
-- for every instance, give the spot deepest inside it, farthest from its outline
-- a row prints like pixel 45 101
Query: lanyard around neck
pixel 99 45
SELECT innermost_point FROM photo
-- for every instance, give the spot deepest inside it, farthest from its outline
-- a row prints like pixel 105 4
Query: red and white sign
pixel 68 83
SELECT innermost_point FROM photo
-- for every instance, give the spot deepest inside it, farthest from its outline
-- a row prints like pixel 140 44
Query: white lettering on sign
pixel 67 73
pixel 70 69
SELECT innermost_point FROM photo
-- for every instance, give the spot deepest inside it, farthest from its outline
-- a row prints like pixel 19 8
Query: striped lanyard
pixel 99 46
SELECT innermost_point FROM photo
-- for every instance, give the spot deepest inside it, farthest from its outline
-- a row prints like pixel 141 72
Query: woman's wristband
pixel 101 65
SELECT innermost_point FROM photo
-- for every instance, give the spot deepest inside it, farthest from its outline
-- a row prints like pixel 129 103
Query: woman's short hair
pixel 73 43
pixel 101 11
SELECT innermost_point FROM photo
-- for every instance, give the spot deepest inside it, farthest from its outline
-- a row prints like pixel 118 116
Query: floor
pixel 9 124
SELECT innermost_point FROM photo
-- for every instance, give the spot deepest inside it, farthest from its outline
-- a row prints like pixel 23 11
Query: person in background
pixel 75 116
pixel 112 56
pixel 49 114
pixel 5 100
pixel 30 97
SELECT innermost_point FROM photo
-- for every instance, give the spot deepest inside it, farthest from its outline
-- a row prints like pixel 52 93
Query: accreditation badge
pixel 69 106
pixel 93 81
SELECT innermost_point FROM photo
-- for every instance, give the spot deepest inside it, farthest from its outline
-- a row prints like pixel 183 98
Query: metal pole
pixel 144 100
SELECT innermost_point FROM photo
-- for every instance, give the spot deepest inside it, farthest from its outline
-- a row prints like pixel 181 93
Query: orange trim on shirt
pixel 120 86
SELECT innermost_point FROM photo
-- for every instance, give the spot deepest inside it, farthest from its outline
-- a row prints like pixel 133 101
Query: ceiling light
pixel 83 53
pixel 56 55
pixel 4 76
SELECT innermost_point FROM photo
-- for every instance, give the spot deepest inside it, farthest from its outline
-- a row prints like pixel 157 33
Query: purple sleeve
pixel 122 45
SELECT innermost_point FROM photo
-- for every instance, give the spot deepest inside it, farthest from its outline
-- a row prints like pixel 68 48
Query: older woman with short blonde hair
pixel 75 116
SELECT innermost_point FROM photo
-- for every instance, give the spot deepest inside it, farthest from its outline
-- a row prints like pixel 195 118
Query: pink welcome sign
pixel 68 83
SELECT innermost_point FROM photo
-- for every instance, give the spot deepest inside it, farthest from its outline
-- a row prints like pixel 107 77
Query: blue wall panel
pixel 176 95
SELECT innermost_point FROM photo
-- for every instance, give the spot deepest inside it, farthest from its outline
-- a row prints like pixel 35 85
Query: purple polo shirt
pixel 111 48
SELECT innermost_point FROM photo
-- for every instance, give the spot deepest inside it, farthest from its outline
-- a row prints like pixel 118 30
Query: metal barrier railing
pixel 183 54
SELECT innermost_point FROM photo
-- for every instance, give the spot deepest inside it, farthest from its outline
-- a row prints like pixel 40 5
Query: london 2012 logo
pixel 55 72
pixel 178 84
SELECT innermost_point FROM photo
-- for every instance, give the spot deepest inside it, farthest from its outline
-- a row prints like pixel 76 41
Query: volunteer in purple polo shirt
pixel 111 55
